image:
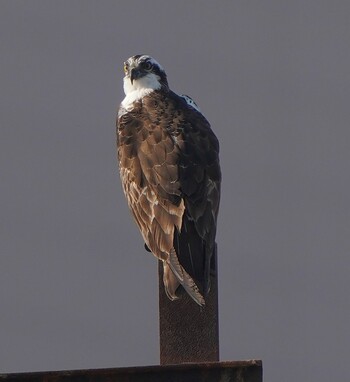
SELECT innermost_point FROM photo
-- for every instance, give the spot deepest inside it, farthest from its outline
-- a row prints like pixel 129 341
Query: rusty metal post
pixel 189 349
pixel 188 333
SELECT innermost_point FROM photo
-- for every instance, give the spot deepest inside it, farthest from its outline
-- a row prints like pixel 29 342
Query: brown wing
pixel 171 181
pixel 148 167
pixel 200 178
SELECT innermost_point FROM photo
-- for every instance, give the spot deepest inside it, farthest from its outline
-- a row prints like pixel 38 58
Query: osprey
pixel 169 167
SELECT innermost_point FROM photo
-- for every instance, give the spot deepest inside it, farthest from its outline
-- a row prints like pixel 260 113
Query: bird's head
pixel 143 72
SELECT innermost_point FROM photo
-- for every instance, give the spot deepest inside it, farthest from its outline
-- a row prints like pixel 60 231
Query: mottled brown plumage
pixel 169 167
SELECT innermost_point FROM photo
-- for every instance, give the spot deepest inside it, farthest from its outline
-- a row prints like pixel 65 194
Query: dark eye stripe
pixel 147 65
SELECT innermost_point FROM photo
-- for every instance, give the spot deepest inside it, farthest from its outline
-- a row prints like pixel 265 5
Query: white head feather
pixel 140 87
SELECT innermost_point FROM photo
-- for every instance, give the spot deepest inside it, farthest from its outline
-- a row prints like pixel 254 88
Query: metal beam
pixel 243 371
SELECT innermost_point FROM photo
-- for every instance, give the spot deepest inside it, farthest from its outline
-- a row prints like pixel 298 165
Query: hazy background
pixel 77 289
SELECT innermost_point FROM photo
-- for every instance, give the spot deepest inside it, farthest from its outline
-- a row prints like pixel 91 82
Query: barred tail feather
pixel 181 277
pixel 170 281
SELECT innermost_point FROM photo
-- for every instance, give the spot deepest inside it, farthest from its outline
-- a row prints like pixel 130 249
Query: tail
pixel 174 275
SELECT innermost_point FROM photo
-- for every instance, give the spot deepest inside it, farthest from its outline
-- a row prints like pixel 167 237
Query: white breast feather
pixel 139 88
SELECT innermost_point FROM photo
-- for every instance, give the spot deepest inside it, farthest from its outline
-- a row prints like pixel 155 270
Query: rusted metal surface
pixel 241 371
pixel 188 333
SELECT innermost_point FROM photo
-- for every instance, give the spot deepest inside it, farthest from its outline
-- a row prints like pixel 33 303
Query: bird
pixel 170 172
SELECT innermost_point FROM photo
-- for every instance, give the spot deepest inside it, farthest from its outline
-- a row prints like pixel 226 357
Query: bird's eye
pixel 126 66
pixel 147 65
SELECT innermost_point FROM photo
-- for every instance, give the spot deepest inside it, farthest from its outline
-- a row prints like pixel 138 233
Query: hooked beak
pixel 135 74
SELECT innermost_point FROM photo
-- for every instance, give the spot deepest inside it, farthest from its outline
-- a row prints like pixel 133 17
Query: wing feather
pixel 170 171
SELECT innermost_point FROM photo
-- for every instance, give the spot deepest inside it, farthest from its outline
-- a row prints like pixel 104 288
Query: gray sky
pixel 77 289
